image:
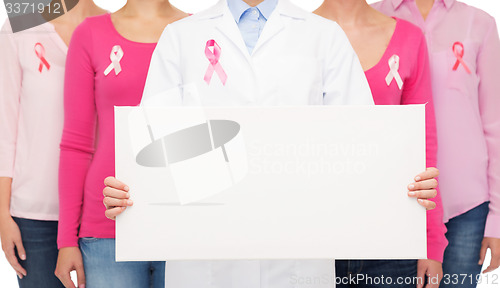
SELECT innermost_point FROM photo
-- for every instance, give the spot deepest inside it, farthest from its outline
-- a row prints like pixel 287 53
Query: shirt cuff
pixel 435 249
pixel 69 242
pixel 492 229
pixel 7 173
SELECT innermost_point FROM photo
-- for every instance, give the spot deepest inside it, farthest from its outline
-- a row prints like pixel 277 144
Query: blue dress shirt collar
pixel 238 7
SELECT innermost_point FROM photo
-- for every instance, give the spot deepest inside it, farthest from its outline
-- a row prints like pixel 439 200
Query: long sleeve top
pixel 103 70
pixel 464 50
pixel 31 115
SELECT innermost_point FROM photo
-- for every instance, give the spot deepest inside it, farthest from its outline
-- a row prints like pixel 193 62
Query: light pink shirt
pixel 467 104
pixel 31 118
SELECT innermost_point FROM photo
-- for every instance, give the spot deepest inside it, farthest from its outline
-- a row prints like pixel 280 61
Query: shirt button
pixel 255 26
pixel 254 12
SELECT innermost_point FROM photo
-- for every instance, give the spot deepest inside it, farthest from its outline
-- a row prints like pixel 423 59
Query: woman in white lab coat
pixel 299 59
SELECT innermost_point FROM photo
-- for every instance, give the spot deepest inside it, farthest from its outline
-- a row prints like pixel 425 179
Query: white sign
pixel 317 182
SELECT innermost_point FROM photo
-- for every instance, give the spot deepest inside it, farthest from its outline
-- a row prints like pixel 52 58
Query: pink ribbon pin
pixel 214 66
pixel 394 72
pixel 40 53
pixel 115 57
pixel 458 49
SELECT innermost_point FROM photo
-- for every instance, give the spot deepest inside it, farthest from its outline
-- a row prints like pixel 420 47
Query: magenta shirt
pixel 467 104
pixel 89 100
pixel 416 89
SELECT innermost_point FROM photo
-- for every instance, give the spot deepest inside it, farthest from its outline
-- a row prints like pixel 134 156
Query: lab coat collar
pixel 274 24
pixel 447 3
pixel 284 7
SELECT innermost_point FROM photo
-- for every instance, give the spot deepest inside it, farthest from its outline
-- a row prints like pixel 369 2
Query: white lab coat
pixel 299 59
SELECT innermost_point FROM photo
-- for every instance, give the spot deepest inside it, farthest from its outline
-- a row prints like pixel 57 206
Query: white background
pixel 7 276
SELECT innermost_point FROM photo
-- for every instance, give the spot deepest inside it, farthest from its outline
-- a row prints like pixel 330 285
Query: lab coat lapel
pixel 274 25
pixel 227 26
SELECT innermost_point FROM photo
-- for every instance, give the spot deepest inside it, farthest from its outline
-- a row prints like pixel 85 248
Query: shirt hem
pixel 74 242
pixel 97 235
pixel 472 206
pixel 35 216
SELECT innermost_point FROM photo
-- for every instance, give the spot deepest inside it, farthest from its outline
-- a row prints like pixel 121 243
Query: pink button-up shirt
pixel 466 89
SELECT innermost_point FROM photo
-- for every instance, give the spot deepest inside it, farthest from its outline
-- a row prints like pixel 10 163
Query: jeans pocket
pixel 86 240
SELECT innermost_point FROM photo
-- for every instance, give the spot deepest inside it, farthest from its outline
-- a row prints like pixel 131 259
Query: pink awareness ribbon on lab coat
pixel 458 49
pixel 214 65
pixel 115 57
pixel 394 72
pixel 40 53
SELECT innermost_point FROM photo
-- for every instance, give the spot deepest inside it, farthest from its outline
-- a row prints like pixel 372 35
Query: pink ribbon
pixel 40 53
pixel 458 49
pixel 115 57
pixel 214 66
pixel 394 72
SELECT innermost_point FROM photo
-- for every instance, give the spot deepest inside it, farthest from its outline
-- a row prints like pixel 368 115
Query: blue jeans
pixel 101 269
pixel 40 242
pixel 465 234
pixel 376 273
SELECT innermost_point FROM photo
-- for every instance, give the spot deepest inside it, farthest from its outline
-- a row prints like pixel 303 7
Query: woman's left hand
pixel 431 269
pixel 494 245
pixel 424 188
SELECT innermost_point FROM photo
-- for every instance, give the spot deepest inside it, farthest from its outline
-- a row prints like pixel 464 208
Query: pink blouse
pixel 465 67
pixel 103 70
pixel 413 68
pixel 31 118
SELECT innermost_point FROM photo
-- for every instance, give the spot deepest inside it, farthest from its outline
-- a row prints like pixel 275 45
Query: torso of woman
pixel 464 52
pixel 107 66
pixel 31 109
pixel 406 58
pixel 94 85
pixel 393 53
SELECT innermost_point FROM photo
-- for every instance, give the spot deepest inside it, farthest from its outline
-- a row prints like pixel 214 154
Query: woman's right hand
pixel 12 241
pixel 116 197
pixel 70 259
